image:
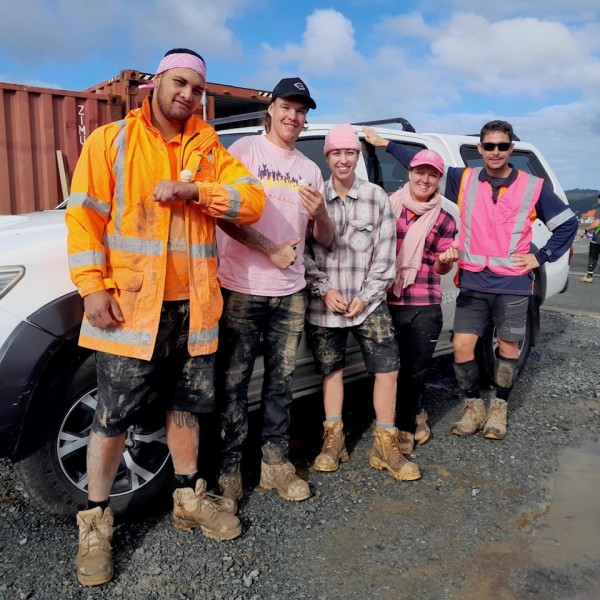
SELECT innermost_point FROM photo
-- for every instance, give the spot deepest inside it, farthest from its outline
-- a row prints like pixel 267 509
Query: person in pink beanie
pixel 348 282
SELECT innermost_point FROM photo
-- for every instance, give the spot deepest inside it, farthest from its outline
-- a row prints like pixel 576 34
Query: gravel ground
pixel 483 523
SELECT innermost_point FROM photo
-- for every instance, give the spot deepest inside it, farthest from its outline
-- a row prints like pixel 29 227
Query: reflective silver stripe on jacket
pixel 87 201
pixel 84 259
pixel 235 202
pixel 117 335
pixel 177 245
pixel 204 336
pixel 203 250
pixel 119 170
pixel 560 218
pixel 113 241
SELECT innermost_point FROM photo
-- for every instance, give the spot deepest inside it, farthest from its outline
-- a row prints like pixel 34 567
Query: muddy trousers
pixel 251 325
pixel 417 332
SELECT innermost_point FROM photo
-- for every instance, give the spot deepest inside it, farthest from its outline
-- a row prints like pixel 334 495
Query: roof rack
pixel 406 125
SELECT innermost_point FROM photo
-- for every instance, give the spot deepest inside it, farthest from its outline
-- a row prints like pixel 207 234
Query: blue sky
pixel 446 65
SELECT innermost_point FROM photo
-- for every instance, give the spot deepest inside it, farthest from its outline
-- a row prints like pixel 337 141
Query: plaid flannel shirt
pixel 360 261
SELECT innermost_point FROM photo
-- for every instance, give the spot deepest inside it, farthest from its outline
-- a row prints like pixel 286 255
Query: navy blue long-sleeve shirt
pixel 550 209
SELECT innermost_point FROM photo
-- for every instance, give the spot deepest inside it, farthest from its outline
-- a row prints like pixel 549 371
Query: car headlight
pixel 9 276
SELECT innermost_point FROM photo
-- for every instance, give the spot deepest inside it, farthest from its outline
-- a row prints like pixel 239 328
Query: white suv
pixel 48 383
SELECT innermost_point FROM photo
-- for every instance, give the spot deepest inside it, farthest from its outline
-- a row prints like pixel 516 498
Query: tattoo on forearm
pixel 244 234
pixel 184 419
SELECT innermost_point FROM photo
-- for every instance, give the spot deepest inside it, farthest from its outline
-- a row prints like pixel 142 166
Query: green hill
pixel 582 200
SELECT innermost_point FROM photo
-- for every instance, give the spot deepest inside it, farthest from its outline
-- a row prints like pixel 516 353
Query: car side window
pixel 523 160
pixel 228 138
pixel 383 169
pixel 313 149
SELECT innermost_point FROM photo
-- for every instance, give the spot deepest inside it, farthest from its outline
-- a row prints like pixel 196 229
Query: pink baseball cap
pixel 341 137
pixel 428 157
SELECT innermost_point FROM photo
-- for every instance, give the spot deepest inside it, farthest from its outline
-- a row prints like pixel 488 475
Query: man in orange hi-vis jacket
pixel 146 194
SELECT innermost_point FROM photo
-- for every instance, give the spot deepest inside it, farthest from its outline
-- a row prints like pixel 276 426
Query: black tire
pixel 52 460
pixel 486 353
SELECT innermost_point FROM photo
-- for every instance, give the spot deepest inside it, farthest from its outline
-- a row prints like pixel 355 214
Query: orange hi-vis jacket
pixel 490 232
pixel 118 236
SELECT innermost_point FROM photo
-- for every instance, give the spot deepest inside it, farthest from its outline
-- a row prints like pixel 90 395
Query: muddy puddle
pixel 569 532
pixel 563 533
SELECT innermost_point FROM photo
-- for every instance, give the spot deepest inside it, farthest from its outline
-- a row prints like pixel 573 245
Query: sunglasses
pixel 489 146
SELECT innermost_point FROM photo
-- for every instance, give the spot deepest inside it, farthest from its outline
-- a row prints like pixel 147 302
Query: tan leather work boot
pixel 406 442
pixel 282 477
pixel 197 509
pixel 230 486
pixel 495 425
pixel 334 448
pixel 386 454
pixel 422 432
pixel 94 558
pixel 473 417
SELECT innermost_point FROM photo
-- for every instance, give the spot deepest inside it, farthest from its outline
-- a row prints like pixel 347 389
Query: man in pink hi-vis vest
pixel 498 205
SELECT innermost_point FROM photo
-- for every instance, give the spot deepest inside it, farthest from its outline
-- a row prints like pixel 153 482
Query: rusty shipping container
pixel 36 124
pixel 221 100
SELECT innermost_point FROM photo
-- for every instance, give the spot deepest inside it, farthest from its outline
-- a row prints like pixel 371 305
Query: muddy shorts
pixel 170 380
pixel 476 310
pixel 375 336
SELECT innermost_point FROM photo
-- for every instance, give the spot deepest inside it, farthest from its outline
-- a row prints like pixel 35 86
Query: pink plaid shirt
pixel 426 288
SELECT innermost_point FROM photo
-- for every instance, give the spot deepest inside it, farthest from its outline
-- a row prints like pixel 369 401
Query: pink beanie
pixel 341 137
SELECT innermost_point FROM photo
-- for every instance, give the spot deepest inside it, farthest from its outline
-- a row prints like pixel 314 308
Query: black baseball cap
pixel 293 86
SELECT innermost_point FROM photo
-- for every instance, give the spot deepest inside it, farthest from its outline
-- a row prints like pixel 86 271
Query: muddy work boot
pixel 406 442
pixel 495 424
pixel 422 432
pixel 277 473
pixel 586 279
pixel 230 486
pixel 94 558
pixel 283 478
pixel 197 509
pixel 386 454
pixel 473 417
pixel 334 448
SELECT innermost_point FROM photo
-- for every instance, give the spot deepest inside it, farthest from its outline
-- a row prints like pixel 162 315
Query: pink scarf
pixel 410 256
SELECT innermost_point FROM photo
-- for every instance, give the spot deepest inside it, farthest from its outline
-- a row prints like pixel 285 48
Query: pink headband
pixel 180 61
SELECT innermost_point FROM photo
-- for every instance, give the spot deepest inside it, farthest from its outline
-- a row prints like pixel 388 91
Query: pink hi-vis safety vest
pixel 491 232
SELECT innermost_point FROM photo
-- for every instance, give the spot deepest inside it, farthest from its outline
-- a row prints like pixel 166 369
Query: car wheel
pixel 486 353
pixel 52 466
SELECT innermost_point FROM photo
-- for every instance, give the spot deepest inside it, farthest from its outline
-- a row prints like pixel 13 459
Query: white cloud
pixel 412 24
pixel 201 26
pixel 327 48
pixel 567 135
pixel 71 30
pixel 521 56
pixel 573 11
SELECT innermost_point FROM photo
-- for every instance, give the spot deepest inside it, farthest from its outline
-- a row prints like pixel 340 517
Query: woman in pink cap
pixel 348 282
pixel 424 251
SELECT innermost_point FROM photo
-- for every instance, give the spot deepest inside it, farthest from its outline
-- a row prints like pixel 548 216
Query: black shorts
pixel 476 310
